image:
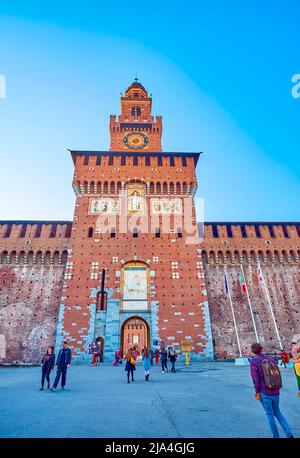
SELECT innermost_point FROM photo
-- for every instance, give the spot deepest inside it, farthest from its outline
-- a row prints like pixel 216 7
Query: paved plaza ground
pixel 203 400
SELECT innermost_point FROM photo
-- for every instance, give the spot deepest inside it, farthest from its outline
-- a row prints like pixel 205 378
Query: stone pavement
pixel 204 400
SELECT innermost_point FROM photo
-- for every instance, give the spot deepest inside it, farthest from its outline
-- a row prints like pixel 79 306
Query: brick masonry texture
pixel 27 312
pixel 276 246
pixel 52 272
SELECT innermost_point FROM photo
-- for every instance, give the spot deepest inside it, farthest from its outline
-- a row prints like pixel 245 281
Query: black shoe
pixel 62 387
pixel 291 437
pixel 41 389
pixel 48 386
pixel 128 381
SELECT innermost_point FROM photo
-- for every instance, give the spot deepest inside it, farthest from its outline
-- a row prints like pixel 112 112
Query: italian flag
pixel 243 281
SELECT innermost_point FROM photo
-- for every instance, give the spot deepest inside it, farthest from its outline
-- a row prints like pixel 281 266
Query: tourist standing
pixel 47 366
pixel 164 359
pixel 118 356
pixel 284 358
pixel 146 363
pixel 267 383
pixel 296 360
pixel 130 364
pixel 93 352
pixel 172 358
pixel 62 364
pixel 156 353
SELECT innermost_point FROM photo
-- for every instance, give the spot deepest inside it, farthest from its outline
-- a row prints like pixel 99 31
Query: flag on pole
pixel 226 284
pixel 244 287
pixel 260 275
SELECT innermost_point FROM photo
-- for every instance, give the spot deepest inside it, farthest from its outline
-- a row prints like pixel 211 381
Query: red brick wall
pixel 279 259
pixel 31 286
pixel 180 300
pixel 31 277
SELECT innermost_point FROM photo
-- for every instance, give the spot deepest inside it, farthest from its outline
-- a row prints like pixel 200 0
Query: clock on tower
pixel 135 129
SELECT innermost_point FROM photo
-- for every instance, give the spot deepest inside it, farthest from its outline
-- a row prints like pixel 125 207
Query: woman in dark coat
pixel 172 358
pixel 47 366
pixel 164 359
pixel 130 364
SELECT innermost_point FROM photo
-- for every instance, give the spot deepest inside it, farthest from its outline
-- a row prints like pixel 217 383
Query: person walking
pixel 284 358
pixel 47 366
pixel 156 354
pixel 98 352
pixel 130 364
pixel 151 356
pixel 172 357
pixel 267 382
pixel 62 364
pixel 146 363
pixel 295 353
pixel 164 359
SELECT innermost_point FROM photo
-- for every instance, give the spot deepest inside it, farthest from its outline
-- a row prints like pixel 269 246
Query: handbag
pixel 132 361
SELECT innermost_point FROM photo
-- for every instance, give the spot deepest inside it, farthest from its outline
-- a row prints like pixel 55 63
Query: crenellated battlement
pixel 34 242
pixel 236 243
pixel 252 230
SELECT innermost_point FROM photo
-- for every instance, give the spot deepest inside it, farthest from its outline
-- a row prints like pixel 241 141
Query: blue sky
pixel 220 75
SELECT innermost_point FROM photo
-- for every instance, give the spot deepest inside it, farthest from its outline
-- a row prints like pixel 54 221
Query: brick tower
pixel 134 273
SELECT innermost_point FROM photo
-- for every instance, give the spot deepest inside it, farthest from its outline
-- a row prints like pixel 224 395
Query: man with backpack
pixel 267 382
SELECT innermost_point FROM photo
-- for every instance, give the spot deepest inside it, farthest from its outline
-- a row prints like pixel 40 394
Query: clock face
pixel 136 140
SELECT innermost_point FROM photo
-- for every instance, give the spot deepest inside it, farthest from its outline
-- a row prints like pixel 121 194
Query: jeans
pixel 61 371
pixel 164 365
pixel 46 374
pixel 173 366
pixel 130 371
pixel 271 406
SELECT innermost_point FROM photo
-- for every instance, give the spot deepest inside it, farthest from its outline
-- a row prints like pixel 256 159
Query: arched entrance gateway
pixel 135 331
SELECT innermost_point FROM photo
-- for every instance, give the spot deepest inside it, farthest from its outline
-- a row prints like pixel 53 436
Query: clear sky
pixel 220 75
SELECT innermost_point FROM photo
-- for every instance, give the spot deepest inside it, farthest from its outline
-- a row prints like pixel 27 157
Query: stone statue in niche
pixel 135 196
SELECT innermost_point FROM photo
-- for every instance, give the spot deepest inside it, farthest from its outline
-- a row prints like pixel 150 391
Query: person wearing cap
pixel 269 397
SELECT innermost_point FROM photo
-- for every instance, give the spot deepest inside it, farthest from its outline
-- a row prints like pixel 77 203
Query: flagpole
pixel 270 305
pixel 250 306
pixel 233 315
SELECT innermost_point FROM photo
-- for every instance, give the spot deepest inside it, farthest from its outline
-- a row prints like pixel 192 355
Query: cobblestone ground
pixel 204 400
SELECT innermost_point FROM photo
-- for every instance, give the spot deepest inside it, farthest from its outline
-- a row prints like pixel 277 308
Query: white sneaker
pixel 162 372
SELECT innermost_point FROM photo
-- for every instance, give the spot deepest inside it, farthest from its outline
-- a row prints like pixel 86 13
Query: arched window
pixel 157 232
pixel 90 232
pixel 113 232
pixel 179 232
pixel 135 232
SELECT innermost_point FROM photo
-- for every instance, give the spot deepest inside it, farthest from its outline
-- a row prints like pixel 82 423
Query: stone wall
pixel 32 270
pixel 275 247
pixel 32 262
pixel 29 303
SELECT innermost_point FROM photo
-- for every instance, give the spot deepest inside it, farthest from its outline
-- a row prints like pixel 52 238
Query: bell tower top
pixel 135 129
pixel 136 90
